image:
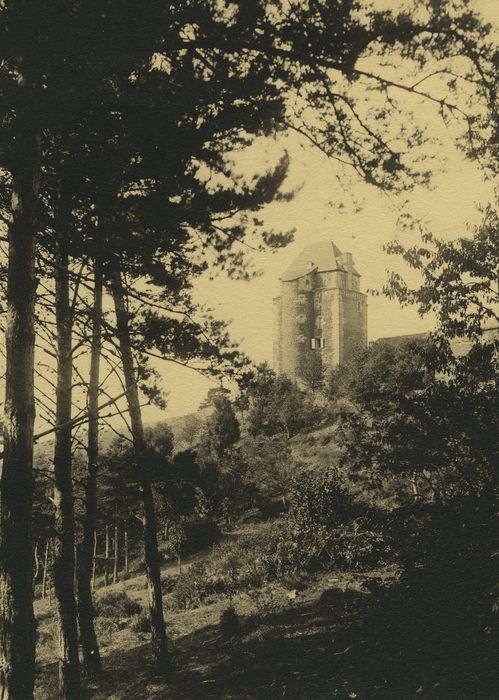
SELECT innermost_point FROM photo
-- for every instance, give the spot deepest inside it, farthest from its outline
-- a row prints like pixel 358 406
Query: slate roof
pixel 321 257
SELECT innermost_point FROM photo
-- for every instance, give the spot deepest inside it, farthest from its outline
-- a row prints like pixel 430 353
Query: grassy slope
pixel 319 447
pixel 290 646
pixel 327 641
pixel 331 640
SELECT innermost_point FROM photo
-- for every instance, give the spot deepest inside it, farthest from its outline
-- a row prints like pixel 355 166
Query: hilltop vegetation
pixel 332 535
pixel 336 535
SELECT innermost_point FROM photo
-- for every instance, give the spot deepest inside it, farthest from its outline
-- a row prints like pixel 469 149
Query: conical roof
pixel 321 257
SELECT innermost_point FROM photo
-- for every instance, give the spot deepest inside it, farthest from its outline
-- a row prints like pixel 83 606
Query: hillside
pixel 43 450
pixel 315 446
pixel 288 643
pixel 327 636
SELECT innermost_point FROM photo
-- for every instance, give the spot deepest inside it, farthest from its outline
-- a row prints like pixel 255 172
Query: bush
pixel 325 528
pixel 192 536
pixel 230 625
pixel 446 553
pixel 200 534
pixel 438 611
pixel 319 496
pixel 267 602
pixel 117 604
pixel 140 623
pixel 248 562
pixel 235 566
pixel 168 583
pixel 191 588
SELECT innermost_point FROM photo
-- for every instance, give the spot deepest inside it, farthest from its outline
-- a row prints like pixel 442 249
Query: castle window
pixel 301 318
pixel 317 343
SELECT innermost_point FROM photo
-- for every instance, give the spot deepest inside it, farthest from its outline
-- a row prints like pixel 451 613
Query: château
pixel 321 314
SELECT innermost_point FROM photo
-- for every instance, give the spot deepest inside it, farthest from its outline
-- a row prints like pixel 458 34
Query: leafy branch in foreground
pixel 460 281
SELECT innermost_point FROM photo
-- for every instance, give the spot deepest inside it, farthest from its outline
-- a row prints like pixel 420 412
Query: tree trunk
pixel 17 623
pixel 106 560
pixel 37 564
pixel 45 569
pixel 126 551
pixel 64 560
pixel 51 571
pixel 94 561
pixel 115 563
pixel 87 549
pixel 152 557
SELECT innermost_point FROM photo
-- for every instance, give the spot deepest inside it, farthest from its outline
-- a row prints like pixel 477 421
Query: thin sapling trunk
pixel 152 556
pixel 87 549
pixel 64 540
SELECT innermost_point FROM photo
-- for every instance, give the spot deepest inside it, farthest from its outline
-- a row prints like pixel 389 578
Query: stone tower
pixel 321 311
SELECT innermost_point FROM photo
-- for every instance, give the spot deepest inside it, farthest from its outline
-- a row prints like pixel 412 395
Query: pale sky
pixel 448 207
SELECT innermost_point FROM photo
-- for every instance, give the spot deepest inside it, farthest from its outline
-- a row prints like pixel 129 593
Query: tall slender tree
pixel 17 635
pixel 88 638
pixel 23 161
pixel 69 680
pixel 152 558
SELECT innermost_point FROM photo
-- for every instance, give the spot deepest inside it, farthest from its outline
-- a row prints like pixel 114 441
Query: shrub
pixel 438 611
pixel 446 552
pixel 234 566
pixel 168 583
pixel 268 603
pixel 357 546
pixel 248 562
pixel 192 536
pixel 320 497
pixel 117 604
pixel 325 528
pixel 191 588
pixel 230 625
pixel 140 623
pixel 332 532
pixel 200 534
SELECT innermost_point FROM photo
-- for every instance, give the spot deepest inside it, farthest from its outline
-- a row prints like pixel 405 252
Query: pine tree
pixel 64 541
pixel 152 558
pixel 221 429
pixel 91 654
